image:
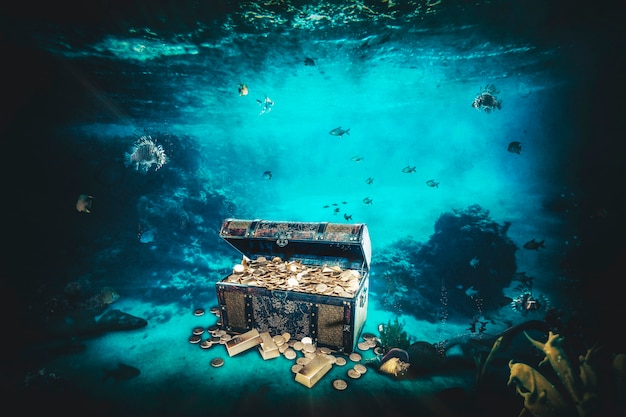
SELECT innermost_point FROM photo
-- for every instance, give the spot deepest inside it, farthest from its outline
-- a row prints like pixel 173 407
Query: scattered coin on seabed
pixel 352 373
pixel 217 362
pixel 198 312
pixel 340 384
pixel 194 339
pixel 339 360
pixel 355 357
pixel 360 368
pixel 363 346
pixel 290 354
pixel 198 331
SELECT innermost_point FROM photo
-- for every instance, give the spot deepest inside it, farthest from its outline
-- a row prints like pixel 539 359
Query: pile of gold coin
pixel 275 274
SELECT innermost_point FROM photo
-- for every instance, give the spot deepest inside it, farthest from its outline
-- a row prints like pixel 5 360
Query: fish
pixel 338 131
pixel 123 372
pixel 267 175
pixel 534 245
pixel 408 169
pixel 471 292
pixel 144 153
pixel 347 216
pixel 474 262
pixel 267 104
pixel 357 158
pixel 147 236
pixel 515 147
pixel 325 206
pixel 108 295
pixel 523 278
pixel 84 203
pixel 337 210
pixel 432 184
pixel 309 62
pixel 243 89
pixel 368 200
pixel 369 180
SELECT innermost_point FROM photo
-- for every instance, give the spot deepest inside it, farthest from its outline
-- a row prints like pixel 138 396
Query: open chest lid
pixel 322 243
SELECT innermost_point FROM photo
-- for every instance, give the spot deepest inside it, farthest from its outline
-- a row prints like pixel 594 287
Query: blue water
pixel 401 76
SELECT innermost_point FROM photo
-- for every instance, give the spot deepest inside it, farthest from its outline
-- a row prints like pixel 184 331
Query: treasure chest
pixel 302 278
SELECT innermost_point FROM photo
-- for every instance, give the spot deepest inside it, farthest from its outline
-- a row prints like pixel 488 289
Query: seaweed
pixel 393 335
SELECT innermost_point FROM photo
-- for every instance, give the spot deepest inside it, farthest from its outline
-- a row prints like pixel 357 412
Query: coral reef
pixel 467 263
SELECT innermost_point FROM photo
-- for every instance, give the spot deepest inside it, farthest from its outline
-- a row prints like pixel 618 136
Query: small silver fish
pixel 408 169
pixel 267 175
pixel 368 200
pixel 370 180
pixel 432 184
pixel 357 158
pixel 338 131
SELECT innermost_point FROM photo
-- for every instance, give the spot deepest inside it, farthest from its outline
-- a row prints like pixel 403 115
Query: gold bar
pixel 243 342
pixel 314 370
pixel 268 348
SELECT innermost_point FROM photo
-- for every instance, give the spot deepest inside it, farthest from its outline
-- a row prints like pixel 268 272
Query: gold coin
pixel 206 344
pixel 194 339
pixel 286 336
pixel 340 384
pixel 360 368
pixel 340 360
pixel 355 357
pixel 290 354
pixel 298 345
pixel 215 310
pixel 371 342
pixel 198 312
pixel 303 361
pixel 325 350
pixel 368 336
pixel 309 347
pixel 353 374
pixel 279 340
pixel 363 346
pixel 198 331
pixel 217 362
pixel 296 368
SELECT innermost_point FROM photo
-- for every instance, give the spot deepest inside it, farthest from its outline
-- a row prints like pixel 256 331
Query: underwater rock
pixel 424 357
pixel 115 320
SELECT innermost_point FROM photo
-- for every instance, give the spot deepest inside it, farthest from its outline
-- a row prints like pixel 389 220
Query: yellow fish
pixel 109 295
pixel 84 203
